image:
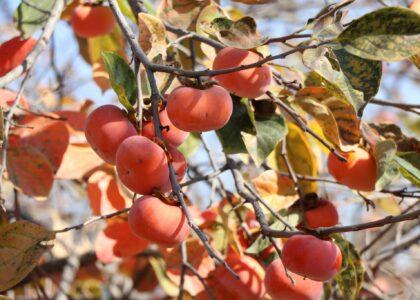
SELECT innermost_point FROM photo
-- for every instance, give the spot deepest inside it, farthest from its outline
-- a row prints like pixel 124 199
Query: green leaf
pixel 240 121
pixel 351 275
pixel 386 167
pixel 32 15
pixel 167 285
pixel 122 78
pixel 326 75
pixel 391 34
pixel 126 10
pixel 190 145
pixel 21 246
pixel 409 166
pixel 268 133
pixel 364 75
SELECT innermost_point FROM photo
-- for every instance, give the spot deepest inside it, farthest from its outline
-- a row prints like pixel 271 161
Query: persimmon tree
pixel 308 190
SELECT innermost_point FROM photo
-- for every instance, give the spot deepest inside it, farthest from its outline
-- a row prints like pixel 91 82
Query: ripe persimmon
pixel 142 165
pixel 250 285
pixel 106 128
pixel 171 134
pixel 248 83
pixel 280 287
pixel 90 21
pixel 152 219
pixel 311 257
pixel 324 214
pixel 196 110
pixel 359 172
pixel 13 53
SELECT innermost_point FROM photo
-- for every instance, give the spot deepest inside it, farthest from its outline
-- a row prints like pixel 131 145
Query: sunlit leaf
pixel 77 161
pixel 104 194
pixel 21 246
pixel 371 38
pixel 152 35
pixel 301 157
pixel 32 15
pixel 387 167
pixel 336 118
pixel 409 163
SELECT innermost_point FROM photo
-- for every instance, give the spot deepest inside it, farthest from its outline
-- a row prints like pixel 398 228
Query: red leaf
pixel 30 171
pixel 50 137
pixel 104 194
pixel 78 160
pixel 198 257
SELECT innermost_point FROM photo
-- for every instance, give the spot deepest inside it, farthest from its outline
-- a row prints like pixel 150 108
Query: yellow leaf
pixel 20 249
pixel 152 35
pixel 271 182
pixel 300 155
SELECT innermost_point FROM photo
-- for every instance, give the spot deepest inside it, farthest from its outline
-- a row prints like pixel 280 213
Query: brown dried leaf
pixel 20 249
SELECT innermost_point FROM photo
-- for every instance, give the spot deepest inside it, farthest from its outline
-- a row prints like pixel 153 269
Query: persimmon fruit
pixel 248 83
pixel 106 128
pixel 323 215
pixel 279 286
pixel 142 165
pixel 171 133
pixel 91 21
pixel 13 52
pixel 117 240
pixel 152 219
pixel 359 172
pixel 311 257
pixel 250 285
pixel 198 110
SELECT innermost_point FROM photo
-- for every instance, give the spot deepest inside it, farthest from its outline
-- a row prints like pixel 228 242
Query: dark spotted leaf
pixel 387 168
pixel 409 163
pixel 351 275
pixel 32 15
pixel 328 75
pixel 371 37
pixel 122 78
pixel 364 75
pixel 21 245
pixel 241 34
pixel 336 118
